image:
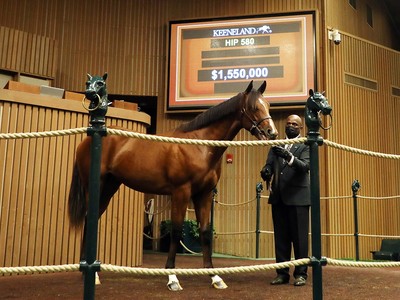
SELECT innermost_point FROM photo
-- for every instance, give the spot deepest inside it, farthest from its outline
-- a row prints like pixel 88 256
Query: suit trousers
pixel 291 226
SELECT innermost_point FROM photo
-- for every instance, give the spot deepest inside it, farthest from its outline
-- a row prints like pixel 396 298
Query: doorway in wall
pixel 146 104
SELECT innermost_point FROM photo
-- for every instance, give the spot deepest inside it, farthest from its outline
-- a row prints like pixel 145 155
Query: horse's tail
pixel 76 200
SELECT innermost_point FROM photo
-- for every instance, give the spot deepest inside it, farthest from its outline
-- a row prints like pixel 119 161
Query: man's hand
pixel 266 173
pixel 282 152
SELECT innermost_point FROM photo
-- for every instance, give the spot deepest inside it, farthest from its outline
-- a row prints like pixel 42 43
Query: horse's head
pixel 316 103
pixel 96 87
pixel 255 113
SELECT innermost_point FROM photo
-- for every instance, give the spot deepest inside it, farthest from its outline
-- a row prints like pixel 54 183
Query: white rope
pixel 360 151
pixel 380 236
pixel 151 137
pixel 39 269
pixel 187 249
pixel 230 233
pixel 235 204
pixel 205 271
pixel 378 198
pixel 22 135
pixel 360 264
pixel 336 234
pixel 337 197
pixel 266 231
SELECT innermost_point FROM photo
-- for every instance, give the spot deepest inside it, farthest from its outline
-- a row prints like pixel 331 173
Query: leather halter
pixel 255 127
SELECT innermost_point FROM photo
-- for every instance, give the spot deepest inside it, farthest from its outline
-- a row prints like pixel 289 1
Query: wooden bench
pixel 390 250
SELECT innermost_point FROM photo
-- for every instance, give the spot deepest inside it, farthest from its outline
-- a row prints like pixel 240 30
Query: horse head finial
pixel 96 91
pixel 316 104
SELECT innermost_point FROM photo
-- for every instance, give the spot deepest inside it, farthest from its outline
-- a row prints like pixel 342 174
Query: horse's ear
pixel 249 88
pixel 262 88
pixel 105 76
pixel 311 92
pixel 89 76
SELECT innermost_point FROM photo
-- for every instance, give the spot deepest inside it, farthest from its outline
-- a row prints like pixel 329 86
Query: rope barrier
pixel 153 271
pixel 193 141
pixel 9 136
pixel 378 198
pixel 345 263
pixel 75 267
pixel 205 271
pixel 39 269
pixel 238 232
pixel 235 204
pixel 360 151
pixel 203 142
pixel 379 236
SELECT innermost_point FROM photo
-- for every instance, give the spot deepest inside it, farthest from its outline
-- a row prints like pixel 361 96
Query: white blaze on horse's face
pixel 270 129
pixel 262 102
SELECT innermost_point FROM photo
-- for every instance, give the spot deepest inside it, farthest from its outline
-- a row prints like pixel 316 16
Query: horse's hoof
pixel 174 286
pixel 218 283
pixel 173 283
pixel 97 279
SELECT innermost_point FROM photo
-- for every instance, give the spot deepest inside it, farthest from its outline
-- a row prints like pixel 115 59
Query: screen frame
pixel 194 106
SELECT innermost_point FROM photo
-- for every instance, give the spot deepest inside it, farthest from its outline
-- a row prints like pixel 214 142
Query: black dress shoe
pixel 280 279
pixel 300 281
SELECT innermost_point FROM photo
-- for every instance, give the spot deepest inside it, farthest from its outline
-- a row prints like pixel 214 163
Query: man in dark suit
pixel 290 199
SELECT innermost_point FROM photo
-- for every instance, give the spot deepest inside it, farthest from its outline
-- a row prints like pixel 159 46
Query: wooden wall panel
pixel 34 188
pixel 363 118
pixel 342 16
pixel 128 39
pixel 27 53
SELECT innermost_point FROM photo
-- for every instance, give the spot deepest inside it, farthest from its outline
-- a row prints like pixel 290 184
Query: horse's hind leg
pixel 109 187
pixel 202 204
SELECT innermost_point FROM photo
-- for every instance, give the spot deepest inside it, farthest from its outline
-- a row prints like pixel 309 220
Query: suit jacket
pixel 290 184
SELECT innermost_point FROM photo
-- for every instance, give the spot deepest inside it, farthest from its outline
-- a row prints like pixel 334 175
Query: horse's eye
pixel 100 83
pixel 87 82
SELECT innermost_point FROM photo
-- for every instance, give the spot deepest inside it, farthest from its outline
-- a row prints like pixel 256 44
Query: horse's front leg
pixel 203 209
pixel 176 235
pixel 179 203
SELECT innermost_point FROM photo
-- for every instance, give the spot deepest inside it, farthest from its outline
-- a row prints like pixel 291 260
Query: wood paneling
pixel 128 39
pixel 365 119
pixel 27 53
pixel 34 187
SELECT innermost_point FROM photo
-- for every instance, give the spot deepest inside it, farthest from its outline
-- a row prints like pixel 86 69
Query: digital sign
pixel 213 60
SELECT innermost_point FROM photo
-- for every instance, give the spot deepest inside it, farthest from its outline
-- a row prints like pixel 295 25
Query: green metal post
pixel 355 187
pixel 313 142
pixel 96 131
pixel 259 189
pixel 315 105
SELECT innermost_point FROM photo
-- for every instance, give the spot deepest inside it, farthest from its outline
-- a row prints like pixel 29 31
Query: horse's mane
pixel 213 114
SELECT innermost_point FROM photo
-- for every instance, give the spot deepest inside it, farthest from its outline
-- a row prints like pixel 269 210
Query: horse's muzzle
pixel 91 95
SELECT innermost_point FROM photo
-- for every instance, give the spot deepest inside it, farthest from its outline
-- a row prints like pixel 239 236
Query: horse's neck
pixel 223 130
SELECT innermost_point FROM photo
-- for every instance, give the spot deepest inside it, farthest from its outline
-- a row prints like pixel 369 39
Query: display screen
pixel 212 60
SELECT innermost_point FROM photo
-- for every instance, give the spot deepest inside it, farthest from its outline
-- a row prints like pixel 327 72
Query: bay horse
pixel 185 172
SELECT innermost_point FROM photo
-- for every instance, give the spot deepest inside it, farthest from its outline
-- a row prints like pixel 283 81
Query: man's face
pixel 293 126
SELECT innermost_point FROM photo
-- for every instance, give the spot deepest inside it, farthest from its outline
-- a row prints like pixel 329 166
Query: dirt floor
pixel 338 283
